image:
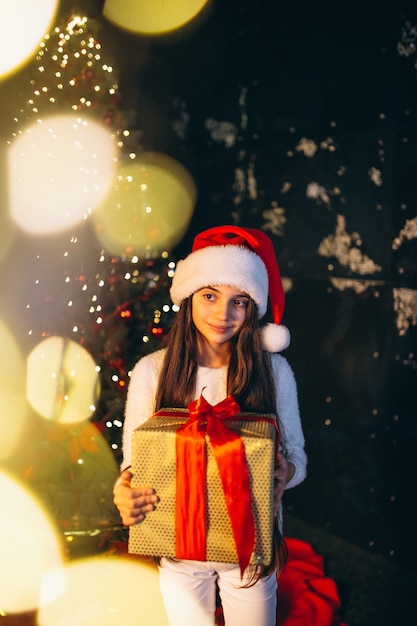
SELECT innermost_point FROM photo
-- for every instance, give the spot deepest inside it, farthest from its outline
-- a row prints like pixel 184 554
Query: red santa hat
pixel 236 257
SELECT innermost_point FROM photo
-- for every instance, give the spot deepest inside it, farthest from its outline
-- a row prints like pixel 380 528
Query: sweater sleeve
pixel 292 436
pixel 140 402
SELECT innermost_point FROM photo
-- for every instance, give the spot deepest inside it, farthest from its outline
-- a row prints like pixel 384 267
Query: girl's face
pixel 218 313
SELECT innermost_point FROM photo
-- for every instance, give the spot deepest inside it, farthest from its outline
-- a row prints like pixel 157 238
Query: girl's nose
pixel 222 310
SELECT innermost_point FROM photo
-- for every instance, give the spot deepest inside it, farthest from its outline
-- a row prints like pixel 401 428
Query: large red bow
pixel 229 452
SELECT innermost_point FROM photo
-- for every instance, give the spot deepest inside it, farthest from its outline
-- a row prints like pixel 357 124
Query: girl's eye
pixel 241 302
pixel 208 296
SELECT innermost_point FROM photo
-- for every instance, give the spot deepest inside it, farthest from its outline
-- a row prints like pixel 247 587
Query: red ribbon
pixel 229 452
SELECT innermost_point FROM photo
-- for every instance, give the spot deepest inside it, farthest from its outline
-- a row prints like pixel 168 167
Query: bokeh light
pixel 104 590
pixel 13 411
pixel 152 17
pixel 62 381
pixel 149 207
pixel 23 24
pixel 29 548
pixel 60 168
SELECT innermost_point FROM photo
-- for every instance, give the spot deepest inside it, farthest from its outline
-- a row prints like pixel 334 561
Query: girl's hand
pixel 283 473
pixel 133 503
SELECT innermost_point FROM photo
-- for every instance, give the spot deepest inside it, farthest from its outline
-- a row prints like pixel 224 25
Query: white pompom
pixel 275 337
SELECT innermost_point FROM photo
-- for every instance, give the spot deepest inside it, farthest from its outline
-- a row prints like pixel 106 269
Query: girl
pixel 216 343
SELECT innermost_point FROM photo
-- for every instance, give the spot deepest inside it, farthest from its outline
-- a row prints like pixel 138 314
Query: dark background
pixel 332 73
pixel 317 71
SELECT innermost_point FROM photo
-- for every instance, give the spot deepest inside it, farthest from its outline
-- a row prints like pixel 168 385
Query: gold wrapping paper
pixel 154 464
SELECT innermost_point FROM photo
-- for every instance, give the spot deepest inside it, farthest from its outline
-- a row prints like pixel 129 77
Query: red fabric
pixel 229 452
pixel 306 596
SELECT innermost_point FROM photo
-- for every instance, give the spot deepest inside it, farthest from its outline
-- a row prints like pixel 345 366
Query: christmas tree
pixel 111 308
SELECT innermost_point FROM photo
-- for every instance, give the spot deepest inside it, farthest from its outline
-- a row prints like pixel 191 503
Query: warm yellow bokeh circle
pixel 152 17
pixel 30 548
pixel 60 169
pixel 149 207
pixel 62 381
pixel 105 591
pixel 22 27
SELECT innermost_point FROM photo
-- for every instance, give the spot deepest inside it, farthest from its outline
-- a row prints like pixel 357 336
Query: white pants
pixel 189 592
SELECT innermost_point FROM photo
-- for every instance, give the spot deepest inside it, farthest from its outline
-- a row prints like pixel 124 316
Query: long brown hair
pixel 249 380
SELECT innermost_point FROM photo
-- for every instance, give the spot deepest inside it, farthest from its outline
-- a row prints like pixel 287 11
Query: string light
pixel 71 74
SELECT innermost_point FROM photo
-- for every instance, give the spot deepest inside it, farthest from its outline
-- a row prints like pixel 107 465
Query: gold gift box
pixel 154 464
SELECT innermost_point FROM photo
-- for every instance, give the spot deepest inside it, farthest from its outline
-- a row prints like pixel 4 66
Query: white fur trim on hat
pixel 231 265
pixel 275 337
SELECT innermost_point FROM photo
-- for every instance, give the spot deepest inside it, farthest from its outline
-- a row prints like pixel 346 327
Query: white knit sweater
pixel 140 404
